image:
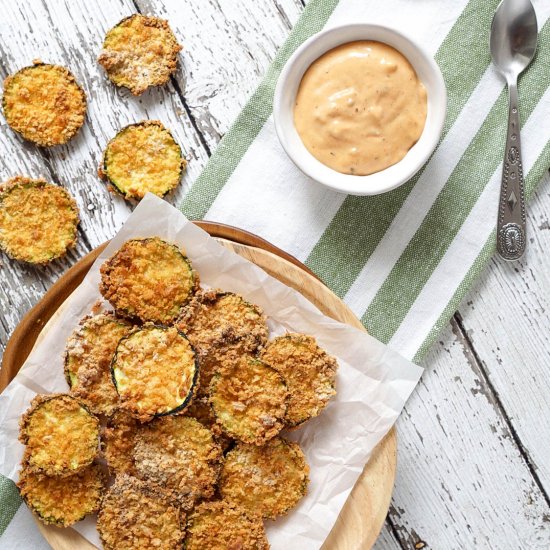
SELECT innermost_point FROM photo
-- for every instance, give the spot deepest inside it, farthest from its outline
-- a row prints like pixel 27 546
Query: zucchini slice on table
pixel 61 435
pixel 148 279
pixel 62 501
pixel 38 220
pixel 135 515
pixel 141 158
pixel 44 104
pixel 88 357
pixel 118 443
pixel 155 370
pixel 310 374
pixel 180 455
pixel 268 480
pixel 219 525
pixel 140 51
pixel 249 400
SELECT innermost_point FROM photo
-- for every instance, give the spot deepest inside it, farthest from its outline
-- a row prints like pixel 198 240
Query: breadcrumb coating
pixel 141 158
pixel 118 443
pixel 38 220
pixel 44 104
pixel 181 456
pixel 268 480
pixel 139 52
pixel 310 374
pixel 137 516
pixel 201 410
pixel 220 525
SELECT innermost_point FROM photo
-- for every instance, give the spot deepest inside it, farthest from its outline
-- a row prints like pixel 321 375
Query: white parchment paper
pixel 373 381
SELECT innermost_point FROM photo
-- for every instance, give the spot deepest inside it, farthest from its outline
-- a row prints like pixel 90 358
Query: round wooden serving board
pixel 363 515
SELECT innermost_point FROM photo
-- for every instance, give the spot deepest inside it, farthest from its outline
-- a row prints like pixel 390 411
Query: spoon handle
pixel 511 211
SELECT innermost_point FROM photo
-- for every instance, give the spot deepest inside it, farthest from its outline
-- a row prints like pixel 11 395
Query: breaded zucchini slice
pixel 249 400
pixel 143 157
pixel 140 51
pixel 38 220
pixel 220 525
pixel 148 279
pixel 118 443
pixel 62 501
pixel 61 435
pixel 310 374
pixel 201 410
pixel 180 455
pixel 268 480
pixel 44 104
pixel 155 370
pixel 135 515
pixel 88 357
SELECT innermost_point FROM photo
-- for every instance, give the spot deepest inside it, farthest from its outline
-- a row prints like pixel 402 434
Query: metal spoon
pixel 513 45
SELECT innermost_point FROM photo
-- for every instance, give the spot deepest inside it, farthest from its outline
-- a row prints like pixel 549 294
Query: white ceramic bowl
pixel 285 96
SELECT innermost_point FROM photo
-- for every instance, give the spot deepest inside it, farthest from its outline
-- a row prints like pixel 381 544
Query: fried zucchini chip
pixel 155 370
pixel 62 501
pixel 180 455
pixel 88 357
pixel 268 480
pixel 118 443
pixel 61 435
pixel 310 374
pixel 38 220
pixel 220 525
pixel 137 516
pixel 143 157
pixel 148 279
pixel 201 410
pixel 249 400
pixel 140 51
pixel 44 104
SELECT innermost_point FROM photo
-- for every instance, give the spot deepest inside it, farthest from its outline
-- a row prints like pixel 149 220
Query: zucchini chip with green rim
pixel 220 525
pixel 201 410
pixel 268 480
pixel 135 515
pixel 118 443
pixel 148 279
pixel 249 400
pixel 141 158
pixel 61 435
pixel 140 51
pixel 44 104
pixel 181 456
pixel 310 374
pixel 155 371
pixel 38 220
pixel 88 357
pixel 62 501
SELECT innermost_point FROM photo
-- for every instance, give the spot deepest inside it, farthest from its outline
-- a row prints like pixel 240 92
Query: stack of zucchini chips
pixel 171 428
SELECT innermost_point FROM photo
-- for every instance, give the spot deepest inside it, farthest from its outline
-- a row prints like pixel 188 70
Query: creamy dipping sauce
pixel 360 107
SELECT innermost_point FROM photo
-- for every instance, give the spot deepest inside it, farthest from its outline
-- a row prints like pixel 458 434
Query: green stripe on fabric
pixel 9 502
pixel 252 118
pixel 535 175
pixel 454 203
pixel 361 222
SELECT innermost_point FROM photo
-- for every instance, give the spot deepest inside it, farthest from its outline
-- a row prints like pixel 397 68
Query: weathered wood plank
pixel 387 540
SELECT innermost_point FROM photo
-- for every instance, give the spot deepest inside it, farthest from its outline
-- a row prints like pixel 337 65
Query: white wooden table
pixel 474 439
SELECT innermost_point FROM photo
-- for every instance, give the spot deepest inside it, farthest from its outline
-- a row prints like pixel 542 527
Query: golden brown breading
pixel 62 501
pixel 137 516
pixel 268 480
pixel 249 400
pixel 180 455
pixel 61 435
pixel 148 279
pixel 44 104
pixel 155 371
pixel 140 51
pixel 220 525
pixel 38 220
pixel 88 356
pixel 141 158
pixel 201 410
pixel 118 443
pixel 310 374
